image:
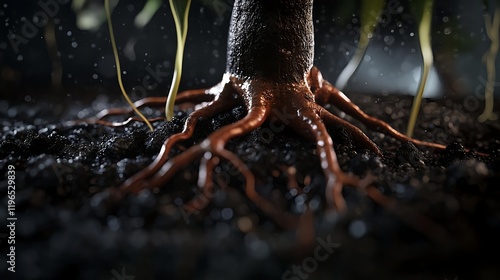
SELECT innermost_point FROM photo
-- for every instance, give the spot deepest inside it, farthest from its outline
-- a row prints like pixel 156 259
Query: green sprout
pixel 180 11
pixel 370 12
pixel 424 34
pixel 147 12
pixel 118 67
pixel 492 30
pixel 90 15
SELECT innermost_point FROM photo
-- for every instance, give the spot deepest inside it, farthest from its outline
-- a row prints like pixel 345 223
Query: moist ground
pixel 67 228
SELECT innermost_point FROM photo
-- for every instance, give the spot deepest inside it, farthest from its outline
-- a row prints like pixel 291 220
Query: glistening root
pixel 190 96
pixel 263 99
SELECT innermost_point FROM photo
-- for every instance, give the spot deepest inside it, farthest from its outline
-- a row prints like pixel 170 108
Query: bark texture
pixel 271 40
pixel 270 71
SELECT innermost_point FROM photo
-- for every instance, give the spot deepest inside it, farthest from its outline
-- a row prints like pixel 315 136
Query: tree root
pixel 297 106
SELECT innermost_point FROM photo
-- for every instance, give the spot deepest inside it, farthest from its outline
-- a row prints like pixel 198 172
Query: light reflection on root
pixel 297 106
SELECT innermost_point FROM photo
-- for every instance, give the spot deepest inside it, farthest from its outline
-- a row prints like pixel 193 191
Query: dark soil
pixel 67 228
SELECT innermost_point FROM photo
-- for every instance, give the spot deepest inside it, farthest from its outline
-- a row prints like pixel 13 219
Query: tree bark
pixel 271 40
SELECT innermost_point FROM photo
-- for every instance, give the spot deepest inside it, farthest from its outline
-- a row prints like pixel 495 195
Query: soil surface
pixel 445 224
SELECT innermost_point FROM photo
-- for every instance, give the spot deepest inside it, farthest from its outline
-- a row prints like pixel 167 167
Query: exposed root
pixel 335 177
pixel 214 145
pixel 265 100
pixel 328 94
pixel 205 183
pixel 420 223
pixel 145 102
pixel 196 96
pixel 283 219
pixel 356 133
pixel 113 124
pixel 223 102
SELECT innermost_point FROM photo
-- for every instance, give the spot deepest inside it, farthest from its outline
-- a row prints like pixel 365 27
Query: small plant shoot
pixel 424 35
pixel 370 12
pixel 180 12
pixel 145 15
pixel 118 67
pixel 492 26
pixel 271 75
pixel 269 171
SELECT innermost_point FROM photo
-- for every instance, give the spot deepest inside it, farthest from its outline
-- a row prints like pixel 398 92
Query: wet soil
pixel 67 228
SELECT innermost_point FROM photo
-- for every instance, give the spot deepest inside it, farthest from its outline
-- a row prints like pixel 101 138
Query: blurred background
pixel 59 49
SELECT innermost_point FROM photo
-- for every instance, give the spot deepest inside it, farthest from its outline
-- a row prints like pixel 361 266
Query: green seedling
pixel 424 35
pixel 118 67
pixel 270 76
pixel 145 15
pixel 489 58
pixel 370 13
pixel 180 11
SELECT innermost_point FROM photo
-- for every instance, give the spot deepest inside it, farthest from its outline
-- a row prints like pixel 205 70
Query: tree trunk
pixel 271 40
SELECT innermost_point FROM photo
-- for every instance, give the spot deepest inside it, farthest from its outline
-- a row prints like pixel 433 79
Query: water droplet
pixel 373 72
pixel 12 112
pixel 74 44
pixel 357 229
pixel 245 224
pixel 227 213
pixel 113 223
pixel 389 40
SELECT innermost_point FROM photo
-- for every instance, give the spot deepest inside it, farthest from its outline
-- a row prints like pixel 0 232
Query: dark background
pixel 392 64
pixel 64 226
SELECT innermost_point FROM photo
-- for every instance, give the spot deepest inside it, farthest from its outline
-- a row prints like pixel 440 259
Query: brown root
pixel 158 173
pixel 328 94
pixel 222 103
pixel 312 123
pixel 358 135
pixel 263 100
